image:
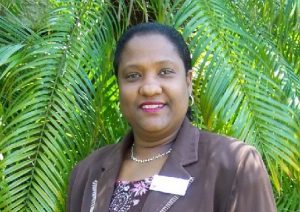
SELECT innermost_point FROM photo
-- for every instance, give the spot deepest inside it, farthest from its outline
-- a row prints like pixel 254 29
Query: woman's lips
pixel 152 107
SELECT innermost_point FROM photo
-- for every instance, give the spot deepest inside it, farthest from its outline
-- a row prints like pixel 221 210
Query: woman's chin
pixel 152 126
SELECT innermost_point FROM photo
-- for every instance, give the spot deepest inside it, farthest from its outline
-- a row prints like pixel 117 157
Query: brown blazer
pixel 228 176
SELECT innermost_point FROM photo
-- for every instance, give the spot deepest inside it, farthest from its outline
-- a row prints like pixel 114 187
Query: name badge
pixel 171 185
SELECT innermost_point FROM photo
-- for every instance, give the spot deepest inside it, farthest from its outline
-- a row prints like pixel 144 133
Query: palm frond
pixel 49 116
pixel 237 87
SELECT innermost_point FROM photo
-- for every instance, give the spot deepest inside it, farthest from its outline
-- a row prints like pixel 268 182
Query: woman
pixel 164 163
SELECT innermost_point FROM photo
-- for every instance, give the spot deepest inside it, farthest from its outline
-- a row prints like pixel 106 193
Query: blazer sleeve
pixel 251 190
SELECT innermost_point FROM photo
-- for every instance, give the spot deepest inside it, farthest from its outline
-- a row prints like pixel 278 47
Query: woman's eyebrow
pixel 141 66
pixel 132 66
pixel 166 61
pixel 160 62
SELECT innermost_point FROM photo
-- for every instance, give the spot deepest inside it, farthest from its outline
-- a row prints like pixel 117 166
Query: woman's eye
pixel 166 72
pixel 132 76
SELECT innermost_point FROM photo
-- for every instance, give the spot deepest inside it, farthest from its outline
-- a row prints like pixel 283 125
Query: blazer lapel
pixel 185 152
pixel 105 188
pixel 157 200
pixel 110 170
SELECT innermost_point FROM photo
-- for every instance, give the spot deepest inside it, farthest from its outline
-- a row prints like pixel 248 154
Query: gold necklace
pixel 132 157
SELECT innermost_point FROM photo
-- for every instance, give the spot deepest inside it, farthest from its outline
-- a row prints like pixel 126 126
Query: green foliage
pixel 59 97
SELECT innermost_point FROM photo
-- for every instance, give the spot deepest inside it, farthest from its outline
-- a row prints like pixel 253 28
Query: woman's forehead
pixel 140 45
pixel 149 48
pixel 156 39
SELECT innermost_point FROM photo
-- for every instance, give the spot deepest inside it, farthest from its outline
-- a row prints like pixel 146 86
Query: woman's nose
pixel 150 89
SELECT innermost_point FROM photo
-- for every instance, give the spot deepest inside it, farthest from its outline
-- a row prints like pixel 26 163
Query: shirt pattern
pixel 129 195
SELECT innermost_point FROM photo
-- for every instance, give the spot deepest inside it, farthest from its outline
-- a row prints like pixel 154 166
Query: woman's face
pixel 154 87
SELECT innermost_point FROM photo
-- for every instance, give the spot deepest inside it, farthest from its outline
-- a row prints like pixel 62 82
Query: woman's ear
pixel 189 80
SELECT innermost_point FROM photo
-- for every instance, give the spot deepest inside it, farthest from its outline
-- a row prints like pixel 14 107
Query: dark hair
pixel 154 28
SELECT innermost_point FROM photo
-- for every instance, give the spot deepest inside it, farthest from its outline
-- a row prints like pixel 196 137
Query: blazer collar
pixel 185 148
pixel 109 172
pixel 184 153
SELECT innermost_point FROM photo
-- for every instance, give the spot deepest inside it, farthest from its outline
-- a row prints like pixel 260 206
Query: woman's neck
pixel 148 145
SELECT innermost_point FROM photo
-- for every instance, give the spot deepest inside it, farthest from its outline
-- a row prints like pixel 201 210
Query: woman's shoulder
pixel 235 168
pixel 215 140
pixel 224 150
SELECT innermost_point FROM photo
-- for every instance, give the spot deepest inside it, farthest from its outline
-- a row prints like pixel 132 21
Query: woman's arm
pixel 251 190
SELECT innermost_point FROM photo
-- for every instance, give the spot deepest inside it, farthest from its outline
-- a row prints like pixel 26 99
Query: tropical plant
pixel 59 97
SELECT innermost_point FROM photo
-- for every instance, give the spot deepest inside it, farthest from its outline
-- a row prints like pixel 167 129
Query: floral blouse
pixel 129 196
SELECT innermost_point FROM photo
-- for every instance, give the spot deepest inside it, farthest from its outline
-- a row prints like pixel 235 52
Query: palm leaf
pixel 41 104
pixel 236 87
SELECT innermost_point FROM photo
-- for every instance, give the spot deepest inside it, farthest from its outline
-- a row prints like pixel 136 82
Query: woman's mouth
pixel 152 107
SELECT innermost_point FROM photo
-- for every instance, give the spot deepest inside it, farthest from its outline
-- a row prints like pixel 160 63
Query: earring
pixel 192 100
